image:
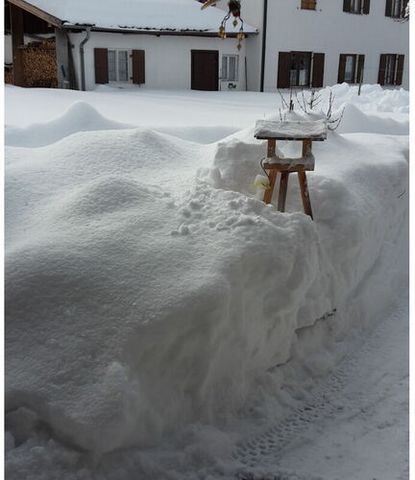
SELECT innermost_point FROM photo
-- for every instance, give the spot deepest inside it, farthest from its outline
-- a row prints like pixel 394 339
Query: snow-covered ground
pixel 163 323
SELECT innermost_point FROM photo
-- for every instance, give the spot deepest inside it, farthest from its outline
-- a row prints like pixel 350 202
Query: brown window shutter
pixel 284 65
pixel 399 71
pixel 382 69
pixel 139 75
pixel 366 7
pixel 342 68
pixel 346 5
pixel 318 70
pixel 101 65
pixel 360 68
pixel 388 9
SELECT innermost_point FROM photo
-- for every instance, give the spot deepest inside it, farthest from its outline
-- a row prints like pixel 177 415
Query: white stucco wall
pixel 252 13
pixel 167 58
pixel 331 31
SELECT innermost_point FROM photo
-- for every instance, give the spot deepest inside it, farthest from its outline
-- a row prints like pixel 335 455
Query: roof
pixel 183 16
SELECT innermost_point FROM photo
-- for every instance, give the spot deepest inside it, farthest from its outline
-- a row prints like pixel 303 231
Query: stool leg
pixel 302 178
pixel 282 196
pixel 268 193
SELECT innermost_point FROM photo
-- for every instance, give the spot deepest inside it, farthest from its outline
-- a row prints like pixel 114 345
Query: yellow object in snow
pixel 261 182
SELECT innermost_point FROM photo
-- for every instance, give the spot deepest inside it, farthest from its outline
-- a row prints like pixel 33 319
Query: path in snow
pixel 356 424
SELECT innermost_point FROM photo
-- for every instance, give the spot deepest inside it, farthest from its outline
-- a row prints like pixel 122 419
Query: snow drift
pixel 141 295
pixel 80 117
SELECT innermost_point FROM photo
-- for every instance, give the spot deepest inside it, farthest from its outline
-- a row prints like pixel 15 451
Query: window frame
pixel 308 5
pixel 225 58
pixel 356 7
pixel 117 65
pixel 308 56
pixel 391 68
pixel 398 8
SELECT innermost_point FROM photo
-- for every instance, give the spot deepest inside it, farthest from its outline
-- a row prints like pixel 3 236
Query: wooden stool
pixel 307 132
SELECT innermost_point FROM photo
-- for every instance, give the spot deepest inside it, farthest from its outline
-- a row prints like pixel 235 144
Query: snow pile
pixel 159 15
pixel 147 287
pixel 80 117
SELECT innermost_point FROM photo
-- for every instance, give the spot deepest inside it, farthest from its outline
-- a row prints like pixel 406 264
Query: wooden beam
pixel 282 196
pixel 16 17
pixel 37 12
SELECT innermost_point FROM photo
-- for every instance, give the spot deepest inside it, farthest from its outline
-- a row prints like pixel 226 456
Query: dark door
pixel 205 70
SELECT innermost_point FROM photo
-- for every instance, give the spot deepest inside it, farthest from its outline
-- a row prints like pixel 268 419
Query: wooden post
pixel 271 148
pixel 302 179
pixel 269 192
pixel 272 174
pixel 16 17
pixel 307 144
pixel 282 196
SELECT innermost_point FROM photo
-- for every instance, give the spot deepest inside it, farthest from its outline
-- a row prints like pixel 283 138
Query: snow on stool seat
pixel 305 131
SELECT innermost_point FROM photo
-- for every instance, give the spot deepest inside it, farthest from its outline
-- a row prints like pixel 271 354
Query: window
pixel 308 4
pixel 230 68
pixel 300 69
pixel 356 6
pixel 118 66
pixel 396 8
pixel 391 69
pixel 351 68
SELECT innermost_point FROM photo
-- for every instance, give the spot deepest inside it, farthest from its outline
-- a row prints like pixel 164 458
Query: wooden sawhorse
pixel 307 132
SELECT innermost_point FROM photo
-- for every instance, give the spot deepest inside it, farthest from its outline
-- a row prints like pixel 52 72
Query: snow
pixel 289 129
pixel 143 15
pixel 158 313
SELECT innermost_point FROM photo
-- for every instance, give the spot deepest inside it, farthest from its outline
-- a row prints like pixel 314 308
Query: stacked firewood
pixel 8 74
pixel 39 60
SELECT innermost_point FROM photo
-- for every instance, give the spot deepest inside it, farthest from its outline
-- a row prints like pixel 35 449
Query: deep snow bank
pixel 139 296
pixel 80 117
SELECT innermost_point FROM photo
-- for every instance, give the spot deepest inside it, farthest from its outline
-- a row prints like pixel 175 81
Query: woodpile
pixel 8 74
pixel 40 69
pixel 39 59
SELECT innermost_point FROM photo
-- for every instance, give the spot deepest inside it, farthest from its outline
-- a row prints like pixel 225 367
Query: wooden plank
pixel 139 66
pixel 302 179
pixel 37 12
pixel 269 192
pixel 16 17
pixel 271 148
pixel 317 80
pixel 101 65
pixel 290 130
pixel 282 195
pixel 281 167
pixel 307 144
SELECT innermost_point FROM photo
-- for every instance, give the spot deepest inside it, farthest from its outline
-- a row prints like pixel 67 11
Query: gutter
pixel 82 56
pixel 264 43
pixel 158 33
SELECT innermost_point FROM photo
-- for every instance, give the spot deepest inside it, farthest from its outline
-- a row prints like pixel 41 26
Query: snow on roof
pixel 157 15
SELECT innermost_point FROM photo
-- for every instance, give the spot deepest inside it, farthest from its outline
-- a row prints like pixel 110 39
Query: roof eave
pixel 37 12
pixel 150 31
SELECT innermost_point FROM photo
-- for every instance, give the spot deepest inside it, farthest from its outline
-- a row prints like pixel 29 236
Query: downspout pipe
pixel 264 43
pixel 82 56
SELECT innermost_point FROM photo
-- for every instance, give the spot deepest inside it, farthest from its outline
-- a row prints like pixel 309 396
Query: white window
pixel 397 8
pixel 356 6
pixel 350 68
pixel 230 68
pixel 118 65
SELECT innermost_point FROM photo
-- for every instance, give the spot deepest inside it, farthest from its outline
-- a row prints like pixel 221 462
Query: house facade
pixel 314 43
pixel 164 44
pixel 173 44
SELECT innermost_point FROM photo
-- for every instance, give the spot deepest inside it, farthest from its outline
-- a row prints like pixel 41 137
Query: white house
pixel 150 43
pixel 174 44
pixel 323 42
